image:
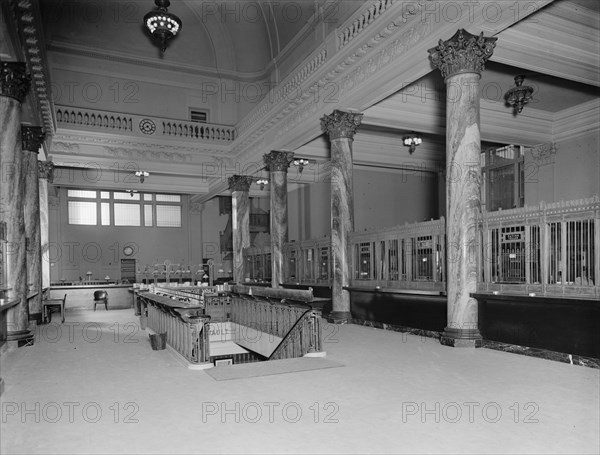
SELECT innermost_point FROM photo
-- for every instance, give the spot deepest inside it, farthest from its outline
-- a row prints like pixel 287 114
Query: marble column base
pixel 339 317
pixel 20 338
pixel 35 317
pixel 461 338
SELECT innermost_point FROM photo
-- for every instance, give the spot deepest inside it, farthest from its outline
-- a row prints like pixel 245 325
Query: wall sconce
pixel 411 141
pixel 300 162
pixel 142 175
pixel 131 192
pixel 161 24
pixel 262 183
pixel 518 96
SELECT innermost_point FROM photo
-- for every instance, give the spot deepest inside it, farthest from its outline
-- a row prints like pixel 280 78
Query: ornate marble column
pixel 240 210
pixel 341 127
pixel 46 176
pixel 14 84
pixel 461 59
pixel 31 139
pixel 277 164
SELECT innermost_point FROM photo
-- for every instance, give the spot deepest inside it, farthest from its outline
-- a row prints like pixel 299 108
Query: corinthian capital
pixel 463 53
pixel 341 124
pixel 278 161
pixel 240 182
pixel 14 80
pixel 46 170
pixel 32 138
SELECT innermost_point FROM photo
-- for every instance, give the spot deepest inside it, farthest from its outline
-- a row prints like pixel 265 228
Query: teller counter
pixel 120 296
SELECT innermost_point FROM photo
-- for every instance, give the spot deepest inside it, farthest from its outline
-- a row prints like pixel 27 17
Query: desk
pixel 46 315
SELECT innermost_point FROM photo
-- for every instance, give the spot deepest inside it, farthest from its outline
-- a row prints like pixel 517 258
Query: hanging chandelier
pixel 519 95
pixel 161 24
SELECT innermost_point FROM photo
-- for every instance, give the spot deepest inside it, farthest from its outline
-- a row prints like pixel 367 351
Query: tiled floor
pixel 94 385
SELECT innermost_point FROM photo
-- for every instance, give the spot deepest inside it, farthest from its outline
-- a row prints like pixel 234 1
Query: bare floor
pixel 94 385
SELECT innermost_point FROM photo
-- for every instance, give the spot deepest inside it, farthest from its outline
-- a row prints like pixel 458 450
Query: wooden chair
pixel 101 297
pixel 47 308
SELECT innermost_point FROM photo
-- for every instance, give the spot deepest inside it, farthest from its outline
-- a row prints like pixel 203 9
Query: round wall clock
pixel 127 251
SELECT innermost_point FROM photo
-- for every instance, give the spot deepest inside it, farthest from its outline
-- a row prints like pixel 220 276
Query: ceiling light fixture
pixel 161 24
pixel 142 175
pixel 301 162
pixel 262 182
pixel 519 95
pixel 411 141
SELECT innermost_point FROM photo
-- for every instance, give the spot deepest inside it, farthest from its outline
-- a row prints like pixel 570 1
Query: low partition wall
pixel 120 296
pixel 185 326
pixel 422 312
pixel 563 324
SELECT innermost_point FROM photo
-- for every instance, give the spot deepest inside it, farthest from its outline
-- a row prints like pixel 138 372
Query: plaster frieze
pixel 134 149
pixel 544 153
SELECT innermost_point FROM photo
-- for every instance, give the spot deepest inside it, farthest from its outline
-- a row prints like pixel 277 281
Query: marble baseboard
pixel 572 359
pixel 398 328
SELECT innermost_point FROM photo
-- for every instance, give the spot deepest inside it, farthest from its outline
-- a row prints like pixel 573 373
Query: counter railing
pixel 183 323
pixel 549 249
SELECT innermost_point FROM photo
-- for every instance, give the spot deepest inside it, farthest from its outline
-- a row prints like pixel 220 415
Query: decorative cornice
pixel 463 53
pixel 240 182
pixel 46 170
pixel 32 138
pixel 27 20
pixel 341 124
pixel 14 80
pixel 278 161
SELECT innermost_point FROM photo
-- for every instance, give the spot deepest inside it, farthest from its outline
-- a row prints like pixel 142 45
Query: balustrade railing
pixel 550 249
pixel 142 126
pixel 281 313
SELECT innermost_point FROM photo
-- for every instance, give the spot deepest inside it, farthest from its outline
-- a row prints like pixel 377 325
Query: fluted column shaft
pixel 461 60
pixel 240 208
pixel 277 163
pixel 341 127
pixel 14 84
pixel 32 138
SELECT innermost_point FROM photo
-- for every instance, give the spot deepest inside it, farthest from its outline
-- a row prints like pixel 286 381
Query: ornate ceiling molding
pixel 26 18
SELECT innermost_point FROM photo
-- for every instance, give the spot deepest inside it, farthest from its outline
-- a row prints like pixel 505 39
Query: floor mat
pixel 267 368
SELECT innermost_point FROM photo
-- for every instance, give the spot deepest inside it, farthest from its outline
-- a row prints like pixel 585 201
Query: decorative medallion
pixel 147 126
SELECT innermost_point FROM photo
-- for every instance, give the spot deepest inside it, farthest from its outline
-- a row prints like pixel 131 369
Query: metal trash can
pixel 158 341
